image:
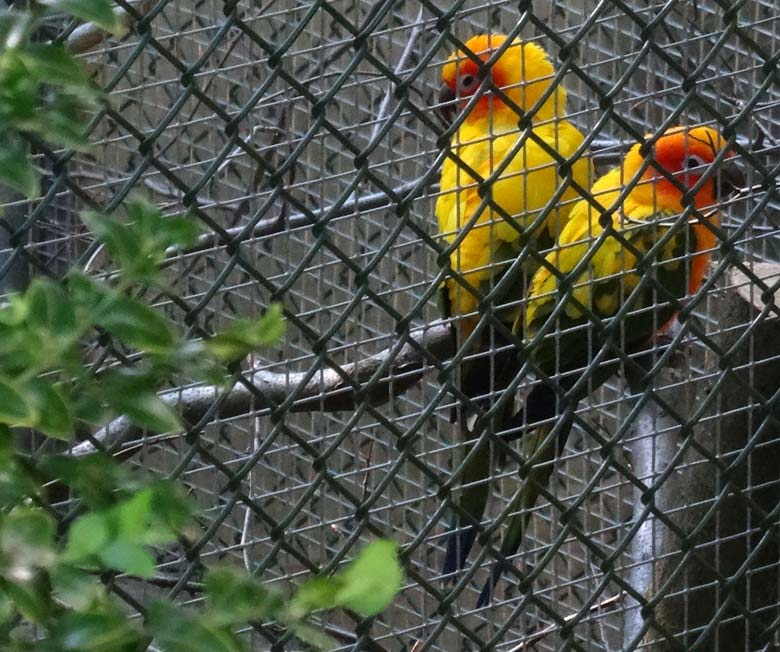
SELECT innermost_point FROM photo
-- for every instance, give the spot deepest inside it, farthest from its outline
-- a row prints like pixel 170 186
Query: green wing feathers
pixel 645 269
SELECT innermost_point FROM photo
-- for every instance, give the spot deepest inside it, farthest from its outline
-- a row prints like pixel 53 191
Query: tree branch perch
pixel 325 392
pixel 88 35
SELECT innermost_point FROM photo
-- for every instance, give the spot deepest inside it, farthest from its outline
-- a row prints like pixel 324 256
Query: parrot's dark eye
pixel 468 83
pixel 694 161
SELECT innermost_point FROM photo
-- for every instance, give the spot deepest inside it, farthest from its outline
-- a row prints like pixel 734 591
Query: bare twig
pixel 383 107
pixel 326 392
pixel 542 633
pixel 247 511
pixel 367 468
pixel 273 225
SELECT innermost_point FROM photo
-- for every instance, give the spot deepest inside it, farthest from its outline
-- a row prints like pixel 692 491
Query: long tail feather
pixel 540 406
pixel 480 375
pixel 515 533
pixel 473 501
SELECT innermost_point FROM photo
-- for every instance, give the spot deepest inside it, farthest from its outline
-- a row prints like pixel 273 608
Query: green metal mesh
pixel 301 135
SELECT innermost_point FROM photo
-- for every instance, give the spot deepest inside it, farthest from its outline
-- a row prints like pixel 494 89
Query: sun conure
pixel 615 280
pixel 521 154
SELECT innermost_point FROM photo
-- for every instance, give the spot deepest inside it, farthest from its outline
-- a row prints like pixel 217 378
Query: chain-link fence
pixel 302 136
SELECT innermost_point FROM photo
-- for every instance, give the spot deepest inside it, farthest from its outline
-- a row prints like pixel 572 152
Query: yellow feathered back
pixel 652 201
pixel 489 140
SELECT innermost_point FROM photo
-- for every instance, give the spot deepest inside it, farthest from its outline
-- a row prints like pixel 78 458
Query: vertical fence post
pixel 694 583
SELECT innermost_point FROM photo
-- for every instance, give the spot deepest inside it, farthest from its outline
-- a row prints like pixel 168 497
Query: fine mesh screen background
pixel 301 136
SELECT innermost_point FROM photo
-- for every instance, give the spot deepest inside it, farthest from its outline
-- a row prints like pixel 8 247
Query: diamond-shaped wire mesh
pixel 301 135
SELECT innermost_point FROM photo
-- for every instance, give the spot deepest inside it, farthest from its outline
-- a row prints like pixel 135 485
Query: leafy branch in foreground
pixel 71 525
pixel 51 562
pixel 366 585
pixel 43 383
pixel 43 90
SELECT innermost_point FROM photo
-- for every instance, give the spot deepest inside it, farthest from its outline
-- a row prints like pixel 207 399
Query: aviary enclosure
pixel 301 136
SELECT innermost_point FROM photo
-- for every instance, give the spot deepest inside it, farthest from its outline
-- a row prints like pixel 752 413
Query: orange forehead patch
pixel 705 140
pixel 482 45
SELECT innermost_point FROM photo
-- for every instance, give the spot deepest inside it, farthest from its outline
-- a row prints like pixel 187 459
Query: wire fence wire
pixel 302 137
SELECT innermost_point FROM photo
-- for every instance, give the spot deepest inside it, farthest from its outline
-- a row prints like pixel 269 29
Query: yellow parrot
pixel 613 282
pixel 514 153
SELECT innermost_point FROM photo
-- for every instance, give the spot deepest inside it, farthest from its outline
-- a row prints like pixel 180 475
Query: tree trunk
pixel 710 574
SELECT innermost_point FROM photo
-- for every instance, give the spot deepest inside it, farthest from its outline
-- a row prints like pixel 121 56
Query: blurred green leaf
pixel 49 309
pixel 313 636
pixel 372 579
pixel 139 246
pixel 233 598
pixel 76 588
pixel 19 350
pixel 316 593
pixel 15 27
pixel 133 514
pixel 177 632
pixel 272 325
pixel 86 294
pixel 26 549
pixel 100 12
pixel 31 596
pixel 95 631
pixel 148 410
pixel 51 64
pixel 138 325
pixel 14 313
pixel 171 512
pixel 118 536
pixel 62 120
pixel 129 394
pixel 88 535
pixel 159 231
pixel 16 168
pixel 21 96
pixel 15 407
pixel 180 231
pixel 51 407
pixel 94 477
pixel 88 407
pixel 7 613
pixel 128 557
pixel 29 530
pixel 120 240
pixel 192 358
pixel 367 585
pixel 246 335
pixel 15 483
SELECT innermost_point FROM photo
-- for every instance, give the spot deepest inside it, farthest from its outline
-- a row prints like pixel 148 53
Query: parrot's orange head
pixel 523 72
pixel 686 153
